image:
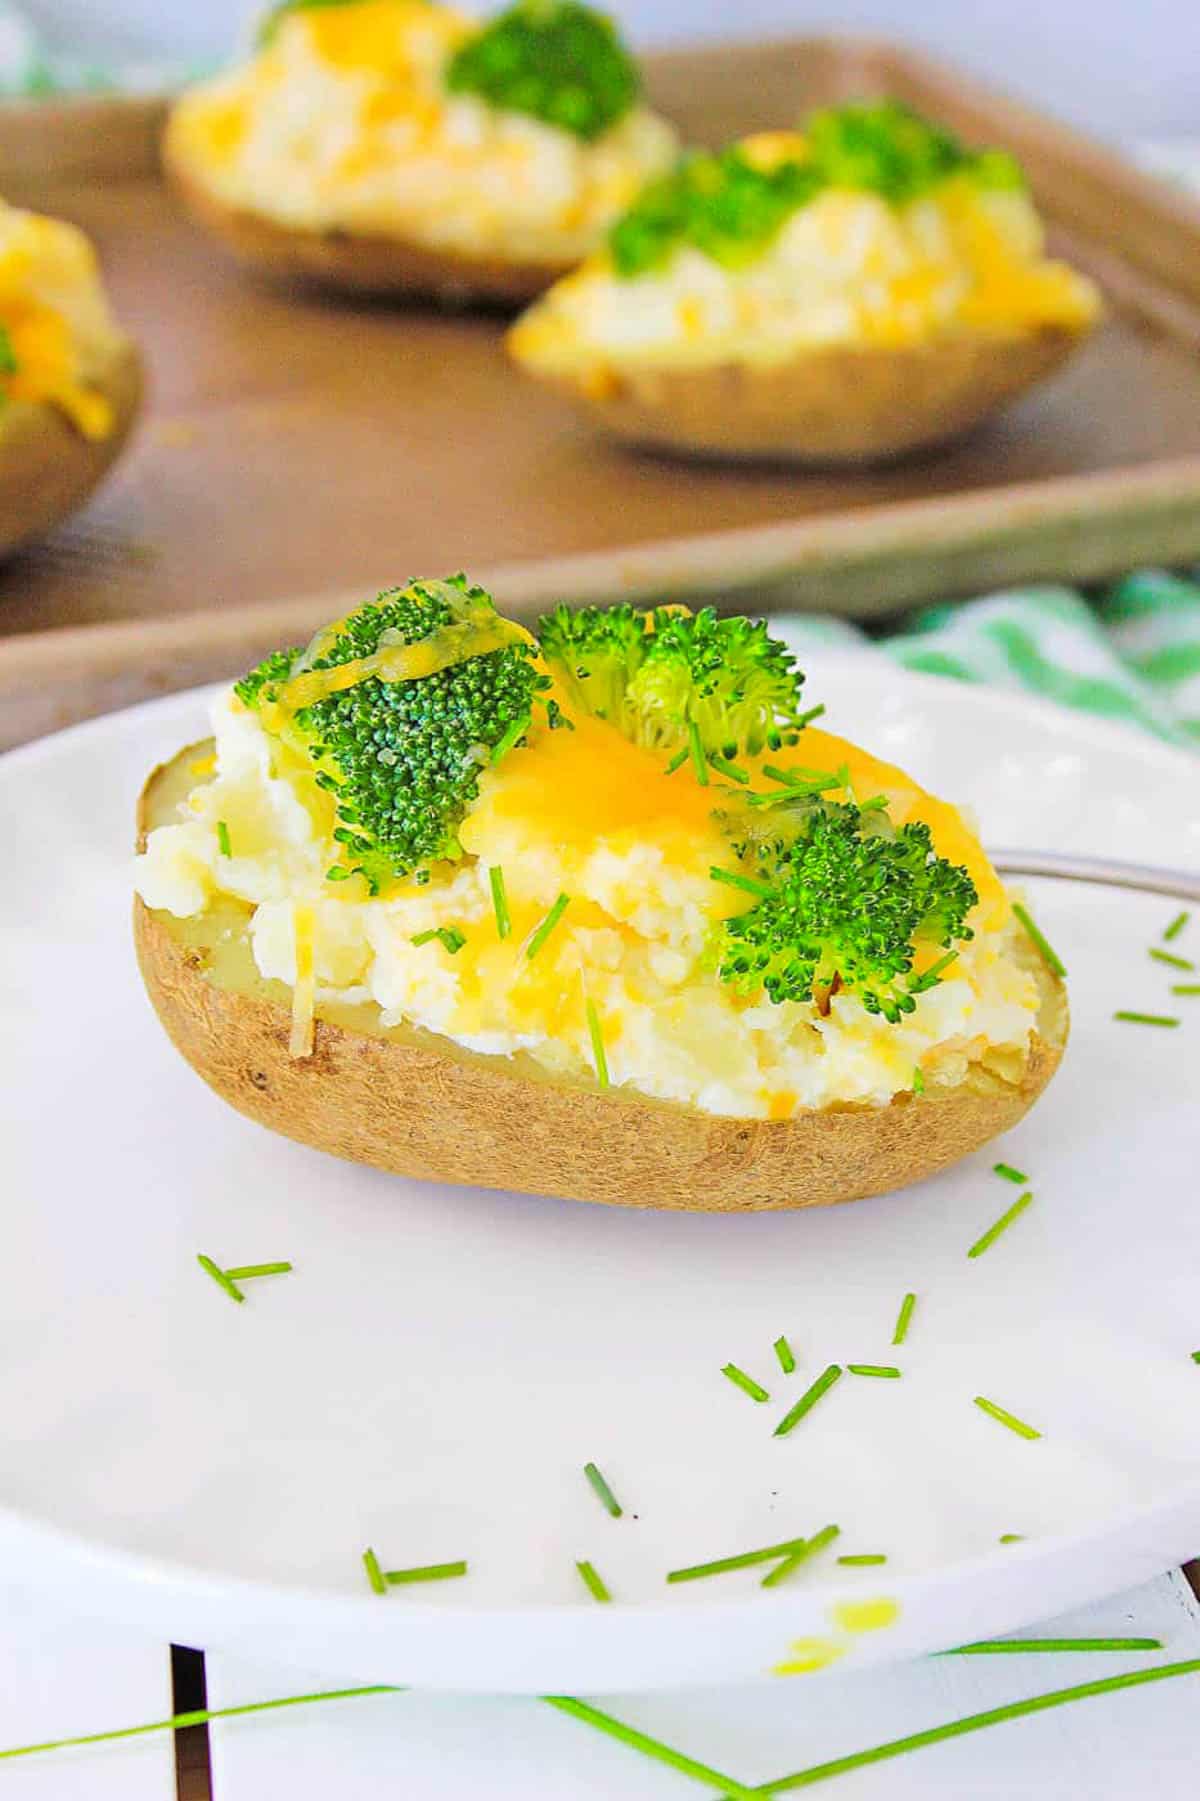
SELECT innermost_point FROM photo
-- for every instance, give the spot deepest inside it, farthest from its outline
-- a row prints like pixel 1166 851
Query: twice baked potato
pixel 600 914
pixel 70 381
pixel 862 290
pixel 399 147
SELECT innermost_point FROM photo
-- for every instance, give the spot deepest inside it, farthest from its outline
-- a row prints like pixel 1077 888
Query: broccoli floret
pixel 401 757
pixel 890 150
pixel 553 59
pixel 670 679
pixel 724 205
pixel 843 898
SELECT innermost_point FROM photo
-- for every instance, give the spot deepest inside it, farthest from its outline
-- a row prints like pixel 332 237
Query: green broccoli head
pixel 723 205
pixel 555 60
pixel 670 679
pixel 888 149
pixel 842 897
pixel 400 754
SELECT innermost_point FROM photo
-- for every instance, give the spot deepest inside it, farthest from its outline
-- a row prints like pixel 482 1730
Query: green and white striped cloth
pixel 1131 653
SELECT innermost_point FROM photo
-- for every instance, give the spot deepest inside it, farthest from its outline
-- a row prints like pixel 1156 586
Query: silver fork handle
pixel 1143 876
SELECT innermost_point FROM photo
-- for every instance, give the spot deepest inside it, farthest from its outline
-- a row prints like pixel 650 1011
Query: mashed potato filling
pixel 591 816
pixel 847 268
pixel 343 122
pixel 58 331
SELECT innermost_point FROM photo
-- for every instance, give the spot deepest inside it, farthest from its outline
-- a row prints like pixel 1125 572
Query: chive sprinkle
pixel 1185 988
pixel 499 901
pixel 728 1787
pixel 516 730
pixel 785 1354
pixel 226 847
pixel 790 1565
pixel 872 1369
pixel 1171 961
pixel 449 937
pixel 1006 1419
pixel 428 1572
pixel 1009 1173
pixel 699 760
pixel 219 1277
pixel 374 1574
pixel 904 1318
pixel 974 1722
pixel 1176 926
pixel 808 1399
pixel 918 1081
pixel 1000 1647
pixel 746 1383
pixel 600 1487
pixel 731 879
pixel 726 766
pixel 593 1582
pixel 1012 1538
pixel 933 975
pixel 807 718
pixel 741 1561
pixel 1001 1225
pixel 1146 1019
pixel 596 1034
pixel 246 1271
pixel 547 926
pixel 678 760
pixel 862 1559
pixel 1049 955
pixel 1196 1356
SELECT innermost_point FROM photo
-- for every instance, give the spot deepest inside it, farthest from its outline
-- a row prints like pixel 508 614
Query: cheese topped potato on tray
pixel 861 289
pixel 387 146
pixel 599 913
pixel 70 380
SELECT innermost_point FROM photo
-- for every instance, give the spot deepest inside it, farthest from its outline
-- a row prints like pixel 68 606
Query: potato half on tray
pixel 70 380
pixel 398 146
pixel 864 289
pixel 597 913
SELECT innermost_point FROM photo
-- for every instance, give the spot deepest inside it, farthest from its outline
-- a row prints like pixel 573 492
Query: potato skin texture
pixel 47 467
pixel 416 1104
pixel 836 405
pixel 356 263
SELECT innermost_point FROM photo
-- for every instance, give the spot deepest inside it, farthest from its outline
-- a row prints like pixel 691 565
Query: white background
pixel 1116 66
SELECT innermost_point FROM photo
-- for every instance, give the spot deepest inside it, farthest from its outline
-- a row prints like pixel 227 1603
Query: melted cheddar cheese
pixel 57 329
pixel 343 122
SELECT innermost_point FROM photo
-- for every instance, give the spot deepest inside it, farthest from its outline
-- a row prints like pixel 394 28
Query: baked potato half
pixel 420 1105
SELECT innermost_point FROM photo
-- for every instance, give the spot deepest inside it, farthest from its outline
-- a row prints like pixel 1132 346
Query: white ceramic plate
pixel 443 1362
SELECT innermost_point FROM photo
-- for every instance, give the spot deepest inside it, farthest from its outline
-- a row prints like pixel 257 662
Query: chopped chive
pixel 1009 1173
pixel 449 937
pixel 801 1554
pixel 1001 1225
pixel 808 1399
pixel 429 1572
pixel 1185 988
pixel 862 1559
pixel 1146 1019
pixel 728 1787
pixel 596 1034
pixel 699 760
pixel 872 1369
pixel 1012 1538
pixel 731 879
pixel 725 766
pixel 974 1722
pixel 1172 961
pixel 219 1277
pixel 786 1356
pixel 1049 955
pixel 918 1081
pixel 1000 1647
pixel 374 1573
pixel 547 926
pixel 515 731
pixel 1007 1419
pixel 593 1582
pixel 499 901
pixel 774 774
pixel 932 976
pixel 600 1487
pixel 678 760
pixel 807 718
pixel 1176 926
pixel 742 1560
pixel 246 1270
pixel 1196 1356
pixel 226 847
pixel 904 1318
pixel 746 1383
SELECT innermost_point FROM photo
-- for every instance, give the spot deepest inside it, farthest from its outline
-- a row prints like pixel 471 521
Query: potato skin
pixel 47 467
pixel 416 1104
pixel 840 404
pixel 357 263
